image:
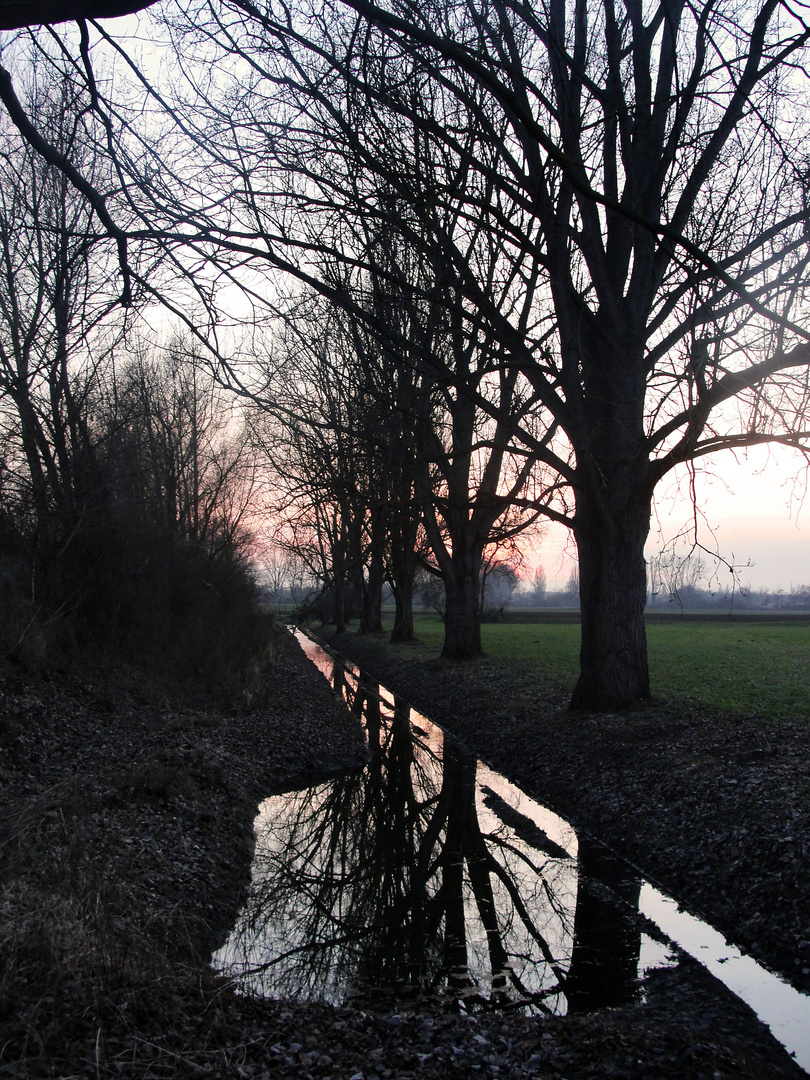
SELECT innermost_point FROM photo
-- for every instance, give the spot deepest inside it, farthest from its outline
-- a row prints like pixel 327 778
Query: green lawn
pixel 757 667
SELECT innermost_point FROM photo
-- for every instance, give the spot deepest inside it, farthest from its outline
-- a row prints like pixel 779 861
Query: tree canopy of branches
pixel 613 195
pixel 57 290
pixel 373 452
pixel 639 171
pixel 124 491
pixel 179 482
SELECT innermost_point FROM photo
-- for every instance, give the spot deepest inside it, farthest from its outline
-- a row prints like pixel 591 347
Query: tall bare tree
pixel 641 169
pixel 654 174
pixel 176 451
pixel 57 291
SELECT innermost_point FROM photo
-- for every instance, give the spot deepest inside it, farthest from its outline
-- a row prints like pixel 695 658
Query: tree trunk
pixel 403 619
pixel 612 590
pixel 402 563
pixel 339 577
pixel 371 618
pixel 339 611
pixel 462 621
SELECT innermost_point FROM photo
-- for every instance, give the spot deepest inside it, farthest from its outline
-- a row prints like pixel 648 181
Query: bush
pixel 124 594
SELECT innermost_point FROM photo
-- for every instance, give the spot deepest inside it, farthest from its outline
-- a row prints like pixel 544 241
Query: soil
pixel 126 809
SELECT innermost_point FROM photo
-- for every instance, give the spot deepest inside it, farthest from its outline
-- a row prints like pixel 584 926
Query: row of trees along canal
pixel 529 258
pixel 124 479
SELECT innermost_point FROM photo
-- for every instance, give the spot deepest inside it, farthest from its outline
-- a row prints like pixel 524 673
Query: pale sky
pixel 754 508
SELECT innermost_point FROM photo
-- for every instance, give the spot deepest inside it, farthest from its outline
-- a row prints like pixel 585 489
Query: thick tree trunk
pixel 371 619
pixel 45 491
pixel 339 613
pixel 612 589
pixel 462 621
pixel 402 574
pixel 340 579
pixel 339 603
pixel 403 619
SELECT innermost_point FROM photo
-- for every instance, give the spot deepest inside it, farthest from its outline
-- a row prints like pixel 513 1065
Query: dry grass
pixel 126 803
pixel 98 978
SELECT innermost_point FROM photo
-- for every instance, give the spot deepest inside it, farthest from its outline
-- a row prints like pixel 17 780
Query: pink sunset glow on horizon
pixel 749 510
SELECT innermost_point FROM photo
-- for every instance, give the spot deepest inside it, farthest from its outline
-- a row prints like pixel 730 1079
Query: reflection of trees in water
pixel 604 962
pixel 404 878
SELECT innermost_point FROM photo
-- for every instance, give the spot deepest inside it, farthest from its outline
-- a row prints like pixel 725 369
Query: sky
pixel 750 509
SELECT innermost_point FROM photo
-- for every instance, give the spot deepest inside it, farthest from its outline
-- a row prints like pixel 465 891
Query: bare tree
pixel 172 570
pixel 369 429
pixel 310 433
pixel 175 450
pixel 667 215
pixel 498 581
pixel 57 291
pixel 632 169
pixel 455 469
pixel 674 575
pixel 635 172
pixel 474 480
pixel 539 583
pixel 572 589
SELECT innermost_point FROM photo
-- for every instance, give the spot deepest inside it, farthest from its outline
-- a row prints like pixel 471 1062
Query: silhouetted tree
pixel 630 169
pixel 58 287
pixel 611 201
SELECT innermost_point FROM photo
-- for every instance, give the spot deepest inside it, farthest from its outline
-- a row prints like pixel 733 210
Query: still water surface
pixel 424 874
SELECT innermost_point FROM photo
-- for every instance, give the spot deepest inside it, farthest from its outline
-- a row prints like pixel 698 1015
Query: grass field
pixel 760 667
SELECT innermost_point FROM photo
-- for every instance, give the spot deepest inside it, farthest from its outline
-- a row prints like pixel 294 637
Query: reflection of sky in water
pixel 320 925
pixel 425 873
pixel 776 1003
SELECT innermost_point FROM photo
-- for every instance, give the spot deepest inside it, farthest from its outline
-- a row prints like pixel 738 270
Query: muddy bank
pixel 125 840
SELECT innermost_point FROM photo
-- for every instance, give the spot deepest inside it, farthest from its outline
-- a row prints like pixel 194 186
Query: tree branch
pixel 522 117
pixel 16 14
pixel 730 386
pixel 53 156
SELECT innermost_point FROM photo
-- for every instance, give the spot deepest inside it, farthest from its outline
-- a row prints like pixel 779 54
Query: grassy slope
pixel 758 667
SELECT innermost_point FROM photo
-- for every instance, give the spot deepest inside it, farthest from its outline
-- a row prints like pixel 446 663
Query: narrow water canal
pixel 424 874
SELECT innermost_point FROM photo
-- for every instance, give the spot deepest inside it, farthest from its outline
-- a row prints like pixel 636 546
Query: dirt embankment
pixel 125 841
